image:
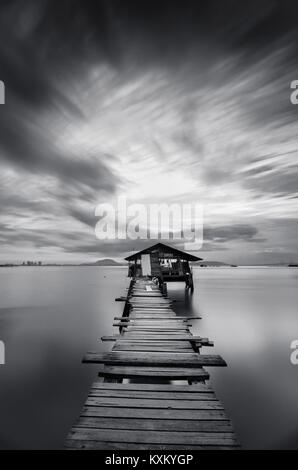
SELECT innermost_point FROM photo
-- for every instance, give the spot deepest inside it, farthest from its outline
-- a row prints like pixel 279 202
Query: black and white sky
pixel 168 101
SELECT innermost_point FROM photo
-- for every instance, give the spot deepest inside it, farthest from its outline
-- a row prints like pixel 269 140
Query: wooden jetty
pixel 154 348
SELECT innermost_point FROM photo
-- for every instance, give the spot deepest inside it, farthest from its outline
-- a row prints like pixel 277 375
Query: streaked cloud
pixel 161 103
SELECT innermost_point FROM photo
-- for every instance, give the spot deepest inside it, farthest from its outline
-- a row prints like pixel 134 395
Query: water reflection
pixel 251 315
pixel 49 317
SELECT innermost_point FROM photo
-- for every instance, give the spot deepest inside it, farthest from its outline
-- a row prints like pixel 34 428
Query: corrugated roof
pixel 165 248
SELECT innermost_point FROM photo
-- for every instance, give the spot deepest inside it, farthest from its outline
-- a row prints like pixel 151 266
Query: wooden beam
pixel 151 437
pixel 154 359
pixel 126 337
pixel 134 316
pixel 169 373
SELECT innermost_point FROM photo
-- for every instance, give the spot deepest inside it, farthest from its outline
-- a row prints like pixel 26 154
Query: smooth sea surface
pixel 50 316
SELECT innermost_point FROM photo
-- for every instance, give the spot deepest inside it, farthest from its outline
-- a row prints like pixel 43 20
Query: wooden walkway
pixel 154 348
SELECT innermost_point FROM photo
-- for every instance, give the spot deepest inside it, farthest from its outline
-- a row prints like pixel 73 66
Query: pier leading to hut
pixel 163 263
pixel 153 391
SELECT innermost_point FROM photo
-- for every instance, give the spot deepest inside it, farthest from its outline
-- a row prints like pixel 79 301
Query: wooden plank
pixel 157 328
pixel 154 403
pixel 189 389
pixel 152 313
pixel 150 303
pixel 143 394
pixel 154 359
pixel 151 437
pixel 153 326
pixel 136 337
pixel 151 321
pixel 146 295
pixel 160 338
pixel 169 326
pixel 163 414
pixel 156 318
pixel 157 333
pixel 148 306
pixel 171 373
pixel 152 310
pixel 154 425
pixel 177 345
pixel 149 299
pixel 129 347
pixel 136 316
pixel 156 321
pixel 98 445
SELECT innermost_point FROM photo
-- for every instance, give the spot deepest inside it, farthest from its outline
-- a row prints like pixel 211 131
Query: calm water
pixel 50 316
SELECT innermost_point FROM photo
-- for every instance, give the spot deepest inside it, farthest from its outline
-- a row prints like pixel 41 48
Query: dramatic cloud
pixel 184 102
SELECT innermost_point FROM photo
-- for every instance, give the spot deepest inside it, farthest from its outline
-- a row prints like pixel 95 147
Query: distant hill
pixel 104 262
pixel 206 264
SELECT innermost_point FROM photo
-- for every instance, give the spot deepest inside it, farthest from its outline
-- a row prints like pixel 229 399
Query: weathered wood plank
pixel 154 359
pixel 156 324
pixel 135 316
pixel 141 394
pixel 98 445
pixel 157 328
pixel 151 305
pixel 150 300
pixel 153 344
pixel 154 403
pixel 163 414
pixel 134 347
pixel 146 295
pixel 154 425
pixel 171 373
pixel 189 389
pixel 152 310
pixel 150 320
pixel 136 330
pixel 136 337
pixel 151 437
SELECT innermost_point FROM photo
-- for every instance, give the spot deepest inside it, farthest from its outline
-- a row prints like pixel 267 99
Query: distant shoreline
pixel 86 265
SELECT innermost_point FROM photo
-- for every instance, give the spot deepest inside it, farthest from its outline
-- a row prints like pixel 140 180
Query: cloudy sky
pixel 159 101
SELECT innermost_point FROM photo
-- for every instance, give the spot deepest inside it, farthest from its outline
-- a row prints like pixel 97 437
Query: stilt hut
pixel 163 262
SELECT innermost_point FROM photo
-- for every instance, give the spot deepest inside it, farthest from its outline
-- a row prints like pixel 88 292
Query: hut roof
pixel 166 251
